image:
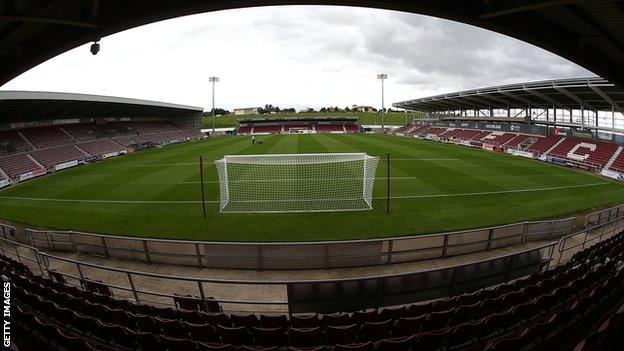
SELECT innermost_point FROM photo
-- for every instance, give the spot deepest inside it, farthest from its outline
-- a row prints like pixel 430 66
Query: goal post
pixel 321 182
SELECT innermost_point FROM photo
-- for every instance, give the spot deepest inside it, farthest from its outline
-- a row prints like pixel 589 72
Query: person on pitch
pixel 253 139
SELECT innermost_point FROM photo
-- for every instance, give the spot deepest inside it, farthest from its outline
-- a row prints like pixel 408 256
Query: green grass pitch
pixel 435 188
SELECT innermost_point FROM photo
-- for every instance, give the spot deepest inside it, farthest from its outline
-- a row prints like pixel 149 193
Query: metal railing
pixel 301 255
pixel 590 235
pixel 296 295
pixel 317 295
pixel 605 215
pixel 8 234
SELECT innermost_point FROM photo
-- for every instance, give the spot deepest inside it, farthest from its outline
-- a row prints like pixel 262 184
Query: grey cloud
pixel 418 50
pixel 305 50
pixel 425 47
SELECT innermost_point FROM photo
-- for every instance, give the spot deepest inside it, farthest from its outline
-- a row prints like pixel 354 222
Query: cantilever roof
pixel 589 33
pixel 38 105
pixel 593 93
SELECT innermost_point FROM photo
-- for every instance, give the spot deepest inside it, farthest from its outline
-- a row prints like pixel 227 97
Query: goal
pixel 296 182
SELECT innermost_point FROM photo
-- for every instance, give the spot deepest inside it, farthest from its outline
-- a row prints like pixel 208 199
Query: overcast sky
pixel 296 56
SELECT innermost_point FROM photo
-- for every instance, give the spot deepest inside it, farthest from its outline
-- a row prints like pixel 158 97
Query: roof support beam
pixel 44 20
pixel 444 104
pixel 540 95
pixel 573 96
pixel 606 98
pixel 596 26
pixel 525 8
pixel 24 109
pixel 494 98
pixel 515 97
pixel 450 103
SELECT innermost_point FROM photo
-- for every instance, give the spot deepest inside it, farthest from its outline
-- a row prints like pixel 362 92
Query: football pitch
pixel 434 188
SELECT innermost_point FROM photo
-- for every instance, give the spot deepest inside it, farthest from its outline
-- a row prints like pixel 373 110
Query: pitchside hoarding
pixel 495 127
pixel 66 165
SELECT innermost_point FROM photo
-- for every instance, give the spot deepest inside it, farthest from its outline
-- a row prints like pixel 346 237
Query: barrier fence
pixel 602 216
pixel 301 255
pixel 314 295
pixel 294 296
pixel 570 244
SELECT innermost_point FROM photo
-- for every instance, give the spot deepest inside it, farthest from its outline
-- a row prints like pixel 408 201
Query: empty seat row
pixel 497 317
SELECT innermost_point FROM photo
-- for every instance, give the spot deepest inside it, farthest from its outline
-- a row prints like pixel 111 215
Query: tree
pixel 221 112
pixel 218 112
pixel 347 109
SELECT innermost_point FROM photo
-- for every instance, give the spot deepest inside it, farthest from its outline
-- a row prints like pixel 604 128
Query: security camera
pixel 95 48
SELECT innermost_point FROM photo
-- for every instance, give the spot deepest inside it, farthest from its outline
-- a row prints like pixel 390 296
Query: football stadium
pixel 482 219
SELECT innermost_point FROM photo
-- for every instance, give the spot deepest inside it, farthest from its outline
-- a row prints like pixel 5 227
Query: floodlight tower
pixel 213 80
pixel 382 77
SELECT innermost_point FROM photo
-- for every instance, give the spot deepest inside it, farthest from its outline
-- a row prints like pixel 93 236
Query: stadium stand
pixel 544 144
pixel 405 129
pixel 516 140
pixel 606 334
pixel 267 129
pixel 308 125
pixel 47 136
pixel 410 129
pixel 420 130
pixel 618 163
pixel 498 138
pixel 190 134
pixel 451 133
pixel 436 131
pixel 351 128
pixel 542 310
pixel 482 134
pixel 593 152
pixel 328 128
pixel 16 165
pixel 80 131
pixel 297 126
pixel 11 142
pixel 50 146
pixel 589 154
pixel 466 134
pixel 100 147
pixel 245 130
pixel 52 157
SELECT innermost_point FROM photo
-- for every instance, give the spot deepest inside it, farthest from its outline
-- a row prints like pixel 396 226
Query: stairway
pixel 32 146
pixel 613 157
pixel 554 146
pixel 4 175
pixel 79 148
pixel 68 134
pixel 35 161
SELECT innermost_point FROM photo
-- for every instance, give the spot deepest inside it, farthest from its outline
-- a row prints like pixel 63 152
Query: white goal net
pixel 297 182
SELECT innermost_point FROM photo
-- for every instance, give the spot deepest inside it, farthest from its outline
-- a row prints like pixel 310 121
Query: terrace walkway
pixel 260 292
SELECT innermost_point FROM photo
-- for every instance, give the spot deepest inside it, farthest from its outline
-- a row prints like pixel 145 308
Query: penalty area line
pixel 164 202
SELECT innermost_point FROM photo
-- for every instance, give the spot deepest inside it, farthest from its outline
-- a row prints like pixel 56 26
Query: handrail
pixel 279 282
pixel 290 243
pixel 45 258
pixel 562 242
pixel 312 254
